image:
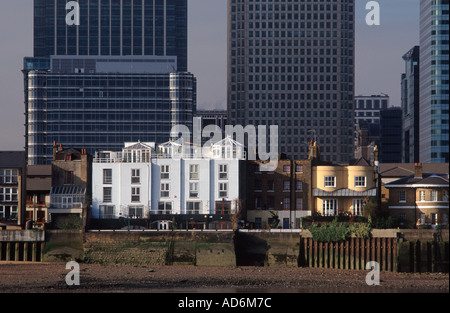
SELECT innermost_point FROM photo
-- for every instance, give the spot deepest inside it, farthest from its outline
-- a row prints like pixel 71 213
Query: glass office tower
pixel 434 81
pixel 291 63
pixel 98 103
pixel 113 27
pixel 119 76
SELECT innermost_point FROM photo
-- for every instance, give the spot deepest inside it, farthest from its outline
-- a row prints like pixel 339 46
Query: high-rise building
pixel 410 88
pixel 391 135
pixel 113 27
pixel 291 63
pixel 434 81
pixel 97 103
pixel 119 76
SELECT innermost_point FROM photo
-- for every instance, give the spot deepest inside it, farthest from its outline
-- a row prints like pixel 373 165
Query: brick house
pixel 420 199
pixel 283 194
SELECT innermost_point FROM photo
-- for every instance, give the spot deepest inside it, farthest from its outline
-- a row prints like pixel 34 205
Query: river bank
pixel 27 277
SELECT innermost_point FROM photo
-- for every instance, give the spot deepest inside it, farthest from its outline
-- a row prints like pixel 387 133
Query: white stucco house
pixel 171 178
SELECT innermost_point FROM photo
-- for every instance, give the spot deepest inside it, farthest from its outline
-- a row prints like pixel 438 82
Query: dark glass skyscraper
pixel 291 63
pixel 113 27
pixel 119 76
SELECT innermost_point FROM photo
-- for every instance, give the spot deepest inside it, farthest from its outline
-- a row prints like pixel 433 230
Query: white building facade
pixel 168 179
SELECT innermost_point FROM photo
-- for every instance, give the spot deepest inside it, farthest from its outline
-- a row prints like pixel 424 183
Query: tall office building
pixel 434 81
pixel 391 135
pixel 291 63
pixel 119 76
pixel 113 27
pixel 410 88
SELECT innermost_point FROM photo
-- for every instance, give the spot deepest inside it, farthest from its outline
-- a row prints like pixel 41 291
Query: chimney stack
pixel 418 170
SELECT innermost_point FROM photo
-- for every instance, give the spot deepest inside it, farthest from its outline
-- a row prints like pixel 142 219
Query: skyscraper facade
pixel 119 76
pixel 291 63
pixel 113 27
pixel 434 81
pixel 410 97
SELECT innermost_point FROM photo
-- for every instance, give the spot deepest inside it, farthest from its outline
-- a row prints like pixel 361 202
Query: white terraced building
pixel 145 179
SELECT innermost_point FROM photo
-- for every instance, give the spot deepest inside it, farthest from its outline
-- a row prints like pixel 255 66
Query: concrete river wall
pixel 394 250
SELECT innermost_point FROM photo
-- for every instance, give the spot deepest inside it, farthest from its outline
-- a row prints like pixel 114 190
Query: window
pixel 329 207
pixel 402 196
pixel 68 178
pixel 223 208
pixel 422 195
pixel 329 181
pixel 67 203
pixel 286 204
pixel 8 194
pixel 107 176
pixel 360 181
pixel 299 185
pixel 402 217
pixel 271 185
pixel 286 185
pixel 299 204
pixel 422 218
pixel 445 196
pixel 193 171
pixel 358 206
pixel 8 212
pixel 165 171
pixel 192 207
pixel 164 190
pixel 299 168
pixel 107 194
pixel 223 190
pixel 258 203
pixel 434 218
pixel 135 212
pixel 223 171
pixel 135 194
pixel 193 189
pixel 164 207
pixel 286 168
pixel 106 211
pixel 135 176
pixel 9 176
pixel 433 195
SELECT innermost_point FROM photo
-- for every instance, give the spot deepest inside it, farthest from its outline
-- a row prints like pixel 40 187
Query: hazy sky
pixel 379 51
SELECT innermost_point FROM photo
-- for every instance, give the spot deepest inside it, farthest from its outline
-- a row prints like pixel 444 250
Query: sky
pixel 378 56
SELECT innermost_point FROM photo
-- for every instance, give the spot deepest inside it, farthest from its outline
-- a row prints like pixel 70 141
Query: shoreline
pixel 29 277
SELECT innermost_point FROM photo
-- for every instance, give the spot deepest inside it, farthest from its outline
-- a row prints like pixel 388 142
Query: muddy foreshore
pixel 95 278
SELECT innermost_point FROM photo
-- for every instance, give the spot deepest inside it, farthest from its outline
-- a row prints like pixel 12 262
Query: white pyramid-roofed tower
pixel 228 148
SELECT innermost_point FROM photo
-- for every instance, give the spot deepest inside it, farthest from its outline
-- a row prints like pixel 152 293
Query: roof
pixel 12 159
pixel 427 180
pixel 68 190
pixel 359 162
pixel 39 170
pixel 39 184
pixel 138 146
pixel 406 169
pixel 344 192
